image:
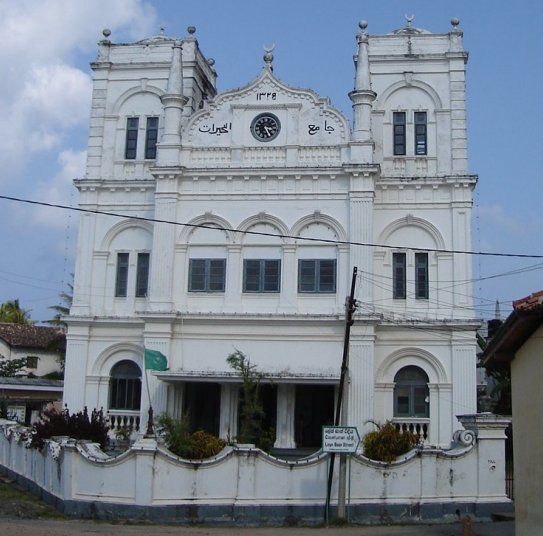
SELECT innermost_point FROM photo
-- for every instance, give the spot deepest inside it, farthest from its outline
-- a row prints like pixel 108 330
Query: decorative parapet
pixel 485 425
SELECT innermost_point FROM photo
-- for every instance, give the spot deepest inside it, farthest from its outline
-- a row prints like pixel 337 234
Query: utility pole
pixel 350 307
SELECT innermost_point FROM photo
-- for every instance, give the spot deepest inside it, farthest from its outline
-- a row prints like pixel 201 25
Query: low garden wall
pixel 242 485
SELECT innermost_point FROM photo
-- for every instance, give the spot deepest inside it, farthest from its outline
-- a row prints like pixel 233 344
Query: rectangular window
pixel 398 276
pixel 151 137
pixel 261 275
pixel 398 120
pixel 121 280
pixel 421 276
pixel 207 275
pixel 421 133
pixel 142 275
pixel 317 275
pixel 32 361
pixel 131 146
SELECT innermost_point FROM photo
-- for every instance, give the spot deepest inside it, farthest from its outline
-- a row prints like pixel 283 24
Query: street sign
pixel 340 439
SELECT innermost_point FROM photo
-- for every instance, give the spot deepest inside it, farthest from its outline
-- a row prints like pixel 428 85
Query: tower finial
pixel 362 96
pixel 497 314
pixel 409 19
pixel 268 56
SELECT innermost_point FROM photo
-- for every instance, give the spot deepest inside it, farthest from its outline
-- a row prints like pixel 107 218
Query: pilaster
pixel 162 261
pixel 362 380
pixel 84 266
pixel 361 200
pixel 464 379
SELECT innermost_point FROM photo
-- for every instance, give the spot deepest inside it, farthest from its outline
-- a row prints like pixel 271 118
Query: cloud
pixel 60 190
pixel 53 100
pixel 495 217
pixel 45 91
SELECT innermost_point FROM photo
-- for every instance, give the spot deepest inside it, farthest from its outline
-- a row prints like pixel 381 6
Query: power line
pixel 262 233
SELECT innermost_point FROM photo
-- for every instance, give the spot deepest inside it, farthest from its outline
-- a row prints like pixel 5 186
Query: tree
pixel 499 375
pixel 251 408
pixel 62 309
pixel 12 313
pixel 10 367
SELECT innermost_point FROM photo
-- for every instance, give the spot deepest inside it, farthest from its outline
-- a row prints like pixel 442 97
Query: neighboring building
pixel 519 341
pixel 43 348
pixel 275 198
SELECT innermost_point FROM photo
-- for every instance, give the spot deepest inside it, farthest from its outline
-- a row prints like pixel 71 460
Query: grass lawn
pixel 17 503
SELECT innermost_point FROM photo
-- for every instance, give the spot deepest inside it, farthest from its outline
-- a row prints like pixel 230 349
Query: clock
pixel 265 127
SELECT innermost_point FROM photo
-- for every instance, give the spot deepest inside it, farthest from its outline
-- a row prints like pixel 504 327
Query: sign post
pixel 340 439
pixel 343 440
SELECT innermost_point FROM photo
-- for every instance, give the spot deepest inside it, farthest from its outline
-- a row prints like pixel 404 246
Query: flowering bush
pixel 77 426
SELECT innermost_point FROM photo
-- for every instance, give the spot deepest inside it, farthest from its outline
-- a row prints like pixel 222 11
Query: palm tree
pixel 12 313
pixel 63 308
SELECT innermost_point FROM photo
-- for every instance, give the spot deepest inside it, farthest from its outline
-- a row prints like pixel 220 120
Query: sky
pixel 46 47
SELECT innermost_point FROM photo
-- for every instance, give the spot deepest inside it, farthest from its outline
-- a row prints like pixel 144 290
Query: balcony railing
pixel 419 427
pixel 118 419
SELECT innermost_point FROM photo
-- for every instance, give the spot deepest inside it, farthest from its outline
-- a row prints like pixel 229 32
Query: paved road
pixel 26 527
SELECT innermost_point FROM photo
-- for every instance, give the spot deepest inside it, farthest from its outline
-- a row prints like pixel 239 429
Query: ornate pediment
pixel 267 113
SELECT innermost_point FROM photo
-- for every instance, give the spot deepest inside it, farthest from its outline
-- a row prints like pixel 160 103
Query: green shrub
pixel 77 426
pixel 205 445
pixel 181 442
pixel 387 443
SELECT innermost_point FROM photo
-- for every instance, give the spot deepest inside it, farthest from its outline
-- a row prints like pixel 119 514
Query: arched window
pixel 411 394
pixel 125 386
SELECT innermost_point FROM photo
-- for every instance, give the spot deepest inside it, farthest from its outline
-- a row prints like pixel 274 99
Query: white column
pixel 286 400
pixel 176 393
pixel 228 426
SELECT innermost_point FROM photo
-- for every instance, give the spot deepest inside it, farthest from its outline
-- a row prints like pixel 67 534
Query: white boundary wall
pixel 244 485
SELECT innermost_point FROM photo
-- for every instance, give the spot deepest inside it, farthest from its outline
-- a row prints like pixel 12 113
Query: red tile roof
pixel 534 299
pixel 520 325
pixel 30 336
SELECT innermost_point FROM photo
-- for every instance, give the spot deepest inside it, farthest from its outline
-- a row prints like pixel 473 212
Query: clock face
pixel 265 127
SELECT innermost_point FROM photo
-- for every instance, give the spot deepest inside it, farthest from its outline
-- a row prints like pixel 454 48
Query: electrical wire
pixel 262 233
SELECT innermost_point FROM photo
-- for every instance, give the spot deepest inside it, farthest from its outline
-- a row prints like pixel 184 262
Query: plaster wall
pixel 240 477
pixel 526 378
